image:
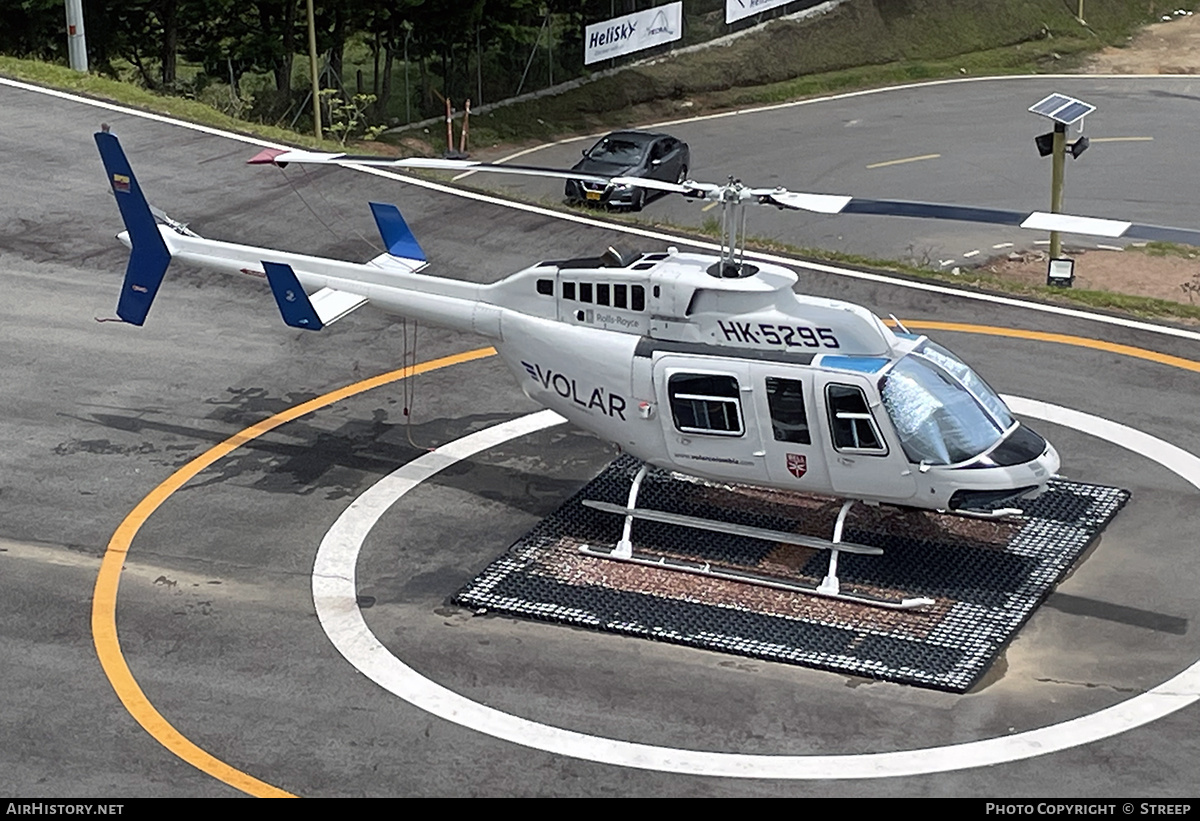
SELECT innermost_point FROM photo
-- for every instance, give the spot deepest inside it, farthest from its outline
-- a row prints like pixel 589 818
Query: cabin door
pixel 790 427
pixel 708 415
pixel 864 458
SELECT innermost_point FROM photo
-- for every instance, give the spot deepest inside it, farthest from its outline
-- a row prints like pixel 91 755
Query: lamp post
pixel 1064 111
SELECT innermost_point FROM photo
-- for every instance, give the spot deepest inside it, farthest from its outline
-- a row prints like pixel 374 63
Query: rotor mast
pixel 731 265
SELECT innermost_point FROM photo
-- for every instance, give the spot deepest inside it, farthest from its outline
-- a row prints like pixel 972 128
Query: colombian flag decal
pixel 120 183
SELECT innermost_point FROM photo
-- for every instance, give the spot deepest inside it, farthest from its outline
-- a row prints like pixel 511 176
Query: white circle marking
pixel 335 598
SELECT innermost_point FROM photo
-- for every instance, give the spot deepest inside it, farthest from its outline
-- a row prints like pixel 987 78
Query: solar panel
pixel 1062 109
pixel 1049 105
pixel 1072 112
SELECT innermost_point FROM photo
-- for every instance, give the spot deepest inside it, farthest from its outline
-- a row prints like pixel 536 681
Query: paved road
pixel 982 135
pixel 214 613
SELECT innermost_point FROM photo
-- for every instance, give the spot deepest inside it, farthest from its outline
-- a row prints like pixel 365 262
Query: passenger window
pixel 639 298
pixel 620 298
pixel 568 290
pixel 705 403
pixel 545 287
pixel 789 421
pixel 585 292
pixel 850 420
pixel 602 294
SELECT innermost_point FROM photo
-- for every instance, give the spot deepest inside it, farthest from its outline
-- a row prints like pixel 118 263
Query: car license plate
pixel 593 195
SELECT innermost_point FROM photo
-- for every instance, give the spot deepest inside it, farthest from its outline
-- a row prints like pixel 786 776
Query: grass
pixel 133 96
pixel 1168 249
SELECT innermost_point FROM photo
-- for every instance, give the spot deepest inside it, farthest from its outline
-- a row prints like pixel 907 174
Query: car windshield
pixel 943 411
pixel 617 150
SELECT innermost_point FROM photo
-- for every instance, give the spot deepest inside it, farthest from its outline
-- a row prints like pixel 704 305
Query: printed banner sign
pixel 633 32
pixel 739 9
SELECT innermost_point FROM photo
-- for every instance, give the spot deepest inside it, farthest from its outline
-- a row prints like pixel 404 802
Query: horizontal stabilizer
pixel 149 256
pixel 299 310
pixel 401 265
pixel 331 304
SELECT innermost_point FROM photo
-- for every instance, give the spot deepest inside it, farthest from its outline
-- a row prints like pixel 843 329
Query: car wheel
pixel 683 169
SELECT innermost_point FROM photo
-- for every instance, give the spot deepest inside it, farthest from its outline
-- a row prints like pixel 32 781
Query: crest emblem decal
pixel 797 464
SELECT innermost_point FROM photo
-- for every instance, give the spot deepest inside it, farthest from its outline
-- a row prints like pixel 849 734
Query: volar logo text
pixel 610 404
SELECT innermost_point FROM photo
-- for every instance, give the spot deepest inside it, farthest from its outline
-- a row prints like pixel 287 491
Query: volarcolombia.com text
pixel 44 808
pixel 1087 808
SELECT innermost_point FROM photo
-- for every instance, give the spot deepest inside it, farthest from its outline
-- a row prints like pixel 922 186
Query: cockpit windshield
pixel 943 411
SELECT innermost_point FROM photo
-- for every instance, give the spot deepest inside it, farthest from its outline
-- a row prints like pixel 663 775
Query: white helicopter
pixel 713 367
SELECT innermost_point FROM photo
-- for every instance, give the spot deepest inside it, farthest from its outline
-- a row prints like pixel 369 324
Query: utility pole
pixel 312 62
pixel 76 42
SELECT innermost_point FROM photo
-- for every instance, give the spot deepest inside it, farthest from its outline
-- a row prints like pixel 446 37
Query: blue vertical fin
pixel 396 234
pixel 293 303
pixel 149 257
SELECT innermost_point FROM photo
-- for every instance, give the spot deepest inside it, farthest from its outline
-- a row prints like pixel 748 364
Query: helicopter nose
pixel 1050 460
pixel 1044 468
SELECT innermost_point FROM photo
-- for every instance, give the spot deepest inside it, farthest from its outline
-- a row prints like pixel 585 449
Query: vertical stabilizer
pixel 396 234
pixel 149 258
pixel 293 303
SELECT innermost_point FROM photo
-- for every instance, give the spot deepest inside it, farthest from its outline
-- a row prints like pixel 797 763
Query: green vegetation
pixel 128 94
pixel 1169 249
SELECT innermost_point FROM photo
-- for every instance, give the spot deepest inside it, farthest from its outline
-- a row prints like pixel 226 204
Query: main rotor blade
pixel 819 203
pixel 1031 220
pixel 690 188
pixel 282 158
pixel 778 197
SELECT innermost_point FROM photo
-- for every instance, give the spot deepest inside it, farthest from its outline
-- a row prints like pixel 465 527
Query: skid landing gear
pixel 830 587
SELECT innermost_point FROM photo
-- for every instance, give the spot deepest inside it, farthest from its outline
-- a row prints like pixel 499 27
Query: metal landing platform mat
pixel 986 576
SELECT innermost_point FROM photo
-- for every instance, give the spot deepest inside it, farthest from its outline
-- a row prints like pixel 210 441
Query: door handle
pixel 845 460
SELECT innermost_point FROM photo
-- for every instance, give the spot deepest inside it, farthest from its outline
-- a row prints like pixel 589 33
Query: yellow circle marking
pixel 104 599
pixel 104 602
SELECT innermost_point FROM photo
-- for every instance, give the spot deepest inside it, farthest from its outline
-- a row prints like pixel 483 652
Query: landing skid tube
pixel 828 588
pixel 999 513
pixel 745 577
